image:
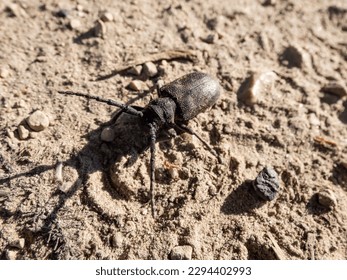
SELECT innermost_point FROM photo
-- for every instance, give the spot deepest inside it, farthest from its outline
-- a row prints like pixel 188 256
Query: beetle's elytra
pixel 193 94
pixel 178 102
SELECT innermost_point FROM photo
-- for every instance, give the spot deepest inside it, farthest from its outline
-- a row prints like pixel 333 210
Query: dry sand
pixel 98 208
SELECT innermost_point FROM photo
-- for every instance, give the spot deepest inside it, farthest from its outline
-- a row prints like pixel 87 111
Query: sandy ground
pixel 99 208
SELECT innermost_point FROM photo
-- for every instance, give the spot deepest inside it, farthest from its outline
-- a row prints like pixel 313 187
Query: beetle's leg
pixel 153 136
pixel 124 107
pixel 186 128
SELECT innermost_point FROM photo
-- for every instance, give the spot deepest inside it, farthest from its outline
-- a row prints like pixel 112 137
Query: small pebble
pixel 74 24
pixel 23 133
pixel 314 121
pixel 117 240
pixel 181 253
pixel 59 172
pixel 137 85
pixel 11 255
pixel 107 134
pixel 65 187
pixel 174 174
pixel 38 121
pixel 135 70
pixel 335 89
pixel 106 17
pixel 20 104
pixel 150 69
pixel 100 29
pixel 4 72
pixel 257 85
pixel 212 190
pixel 266 185
pixel 19 243
pixel 327 199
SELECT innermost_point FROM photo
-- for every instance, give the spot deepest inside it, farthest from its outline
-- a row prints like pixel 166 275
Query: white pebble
pixel 137 85
pixel 181 253
pixel 314 121
pixel 11 255
pixel 117 240
pixel 150 69
pixel 38 121
pixel 59 172
pixel 23 133
pixel 258 84
pixel 74 24
pixel 106 16
pixel 4 72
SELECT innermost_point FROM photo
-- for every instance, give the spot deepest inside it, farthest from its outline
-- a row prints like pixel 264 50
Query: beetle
pixel 178 102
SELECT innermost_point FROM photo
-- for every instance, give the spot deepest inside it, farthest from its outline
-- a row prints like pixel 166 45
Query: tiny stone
pixel 137 85
pixel 227 129
pixel 117 240
pixel 59 172
pixel 19 243
pixel 327 198
pixel 100 29
pixel 106 16
pixel 107 134
pixel 135 70
pixel 11 255
pixel 212 191
pixel 79 8
pixel 150 69
pixel 74 24
pixel 160 83
pixel 314 121
pixel 256 86
pixel 20 104
pixel 266 185
pixel 4 72
pixel 335 89
pixel 181 253
pixel 38 121
pixel 23 132
pixel 65 187
pixel 174 174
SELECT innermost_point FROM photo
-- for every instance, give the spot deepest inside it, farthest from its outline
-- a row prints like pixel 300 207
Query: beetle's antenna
pixel 153 135
pixel 127 109
pixel 192 132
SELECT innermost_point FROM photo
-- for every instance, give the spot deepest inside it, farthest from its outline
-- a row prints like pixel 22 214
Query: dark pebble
pixel 266 185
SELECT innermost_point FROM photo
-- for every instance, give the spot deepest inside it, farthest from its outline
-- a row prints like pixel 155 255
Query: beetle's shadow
pixel 95 156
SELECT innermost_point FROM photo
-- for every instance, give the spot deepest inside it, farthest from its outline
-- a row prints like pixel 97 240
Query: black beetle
pixel 178 102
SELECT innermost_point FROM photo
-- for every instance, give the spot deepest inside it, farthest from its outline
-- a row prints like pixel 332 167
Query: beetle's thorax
pixel 160 111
